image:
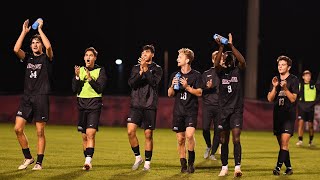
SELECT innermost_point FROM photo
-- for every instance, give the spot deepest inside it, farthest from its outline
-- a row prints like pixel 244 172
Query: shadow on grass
pixel 137 174
pixel 70 175
pixel 15 174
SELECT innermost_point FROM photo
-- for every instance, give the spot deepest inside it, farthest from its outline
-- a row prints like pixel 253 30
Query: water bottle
pixel 177 86
pixel 35 24
pixel 223 40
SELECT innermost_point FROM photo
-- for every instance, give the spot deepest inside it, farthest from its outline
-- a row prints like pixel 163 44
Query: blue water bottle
pixel 35 24
pixel 223 40
pixel 177 86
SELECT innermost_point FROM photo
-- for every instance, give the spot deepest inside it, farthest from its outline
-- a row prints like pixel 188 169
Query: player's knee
pixel 40 133
pixel 131 133
pixel 18 130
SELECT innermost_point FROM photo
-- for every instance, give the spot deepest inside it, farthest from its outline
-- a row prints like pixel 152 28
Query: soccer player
pixel 34 104
pixel 185 110
pixel 231 103
pixel 144 82
pixel 306 102
pixel 88 83
pixel 283 93
pixel 210 109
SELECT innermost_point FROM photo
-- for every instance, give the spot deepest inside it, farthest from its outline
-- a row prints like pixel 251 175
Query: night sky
pixel 118 29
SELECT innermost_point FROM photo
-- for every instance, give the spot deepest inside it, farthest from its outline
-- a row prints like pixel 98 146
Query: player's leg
pixel 149 126
pixel 206 124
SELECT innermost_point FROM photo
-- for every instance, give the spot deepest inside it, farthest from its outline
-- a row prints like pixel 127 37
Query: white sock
pixel 237 167
pixel 88 160
pixel 225 167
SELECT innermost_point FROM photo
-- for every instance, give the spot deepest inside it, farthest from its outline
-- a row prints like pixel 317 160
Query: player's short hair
pixel 285 58
pixel 36 36
pixel 93 50
pixel 188 52
pixel 149 47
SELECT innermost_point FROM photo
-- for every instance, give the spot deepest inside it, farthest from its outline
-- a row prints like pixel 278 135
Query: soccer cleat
pixel 26 163
pixel 212 157
pixel 190 168
pixel 237 173
pixel 184 167
pixel 137 163
pixel 146 167
pixel 276 171
pixel 87 166
pixel 299 143
pixel 288 171
pixel 206 153
pixel 223 172
pixel 37 167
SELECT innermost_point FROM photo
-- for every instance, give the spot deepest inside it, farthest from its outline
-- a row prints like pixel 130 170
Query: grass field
pixel 113 157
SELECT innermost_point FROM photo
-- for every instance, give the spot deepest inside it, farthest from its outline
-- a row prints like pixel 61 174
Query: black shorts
pixel 144 118
pixel 283 122
pixel 88 119
pixel 180 123
pixel 34 107
pixel 230 118
pixel 307 116
pixel 209 115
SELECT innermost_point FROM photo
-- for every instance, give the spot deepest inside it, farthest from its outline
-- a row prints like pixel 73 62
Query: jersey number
pixel 183 96
pixel 229 89
pixel 33 74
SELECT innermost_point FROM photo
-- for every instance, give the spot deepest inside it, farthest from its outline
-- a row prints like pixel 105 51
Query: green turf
pixel 113 156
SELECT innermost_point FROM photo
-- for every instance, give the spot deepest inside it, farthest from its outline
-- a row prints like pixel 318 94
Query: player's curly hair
pixel 285 58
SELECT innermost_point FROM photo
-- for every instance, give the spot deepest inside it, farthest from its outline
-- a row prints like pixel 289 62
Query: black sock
pixel 85 153
pixel 183 162
pixel 300 138
pixel 310 139
pixel 26 153
pixel 90 152
pixel 192 156
pixel 148 155
pixel 281 158
pixel 206 136
pixel 287 162
pixel 237 153
pixel 224 154
pixel 40 158
pixel 136 150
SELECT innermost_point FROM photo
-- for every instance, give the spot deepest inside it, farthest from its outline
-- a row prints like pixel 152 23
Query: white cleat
pixel 37 167
pixel 137 163
pixel 26 163
pixel 212 157
pixel 237 173
pixel 87 166
pixel 299 143
pixel 206 153
pixel 223 172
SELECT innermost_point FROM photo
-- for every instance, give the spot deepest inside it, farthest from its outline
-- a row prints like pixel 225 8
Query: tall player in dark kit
pixel 229 70
pixel 283 92
pixel 186 91
pixel 34 104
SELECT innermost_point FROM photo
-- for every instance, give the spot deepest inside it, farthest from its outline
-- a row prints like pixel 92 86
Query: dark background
pixel 118 30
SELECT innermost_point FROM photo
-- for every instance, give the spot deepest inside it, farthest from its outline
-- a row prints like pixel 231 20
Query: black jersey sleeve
pixel 153 76
pixel 99 84
pixel 135 77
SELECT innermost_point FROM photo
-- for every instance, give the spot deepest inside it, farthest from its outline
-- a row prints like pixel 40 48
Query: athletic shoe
pixel 212 157
pixel 223 172
pixel 37 167
pixel 190 168
pixel 87 166
pixel 26 163
pixel 237 173
pixel 276 171
pixel 288 171
pixel 184 167
pixel 299 143
pixel 137 163
pixel 146 167
pixel 206 153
